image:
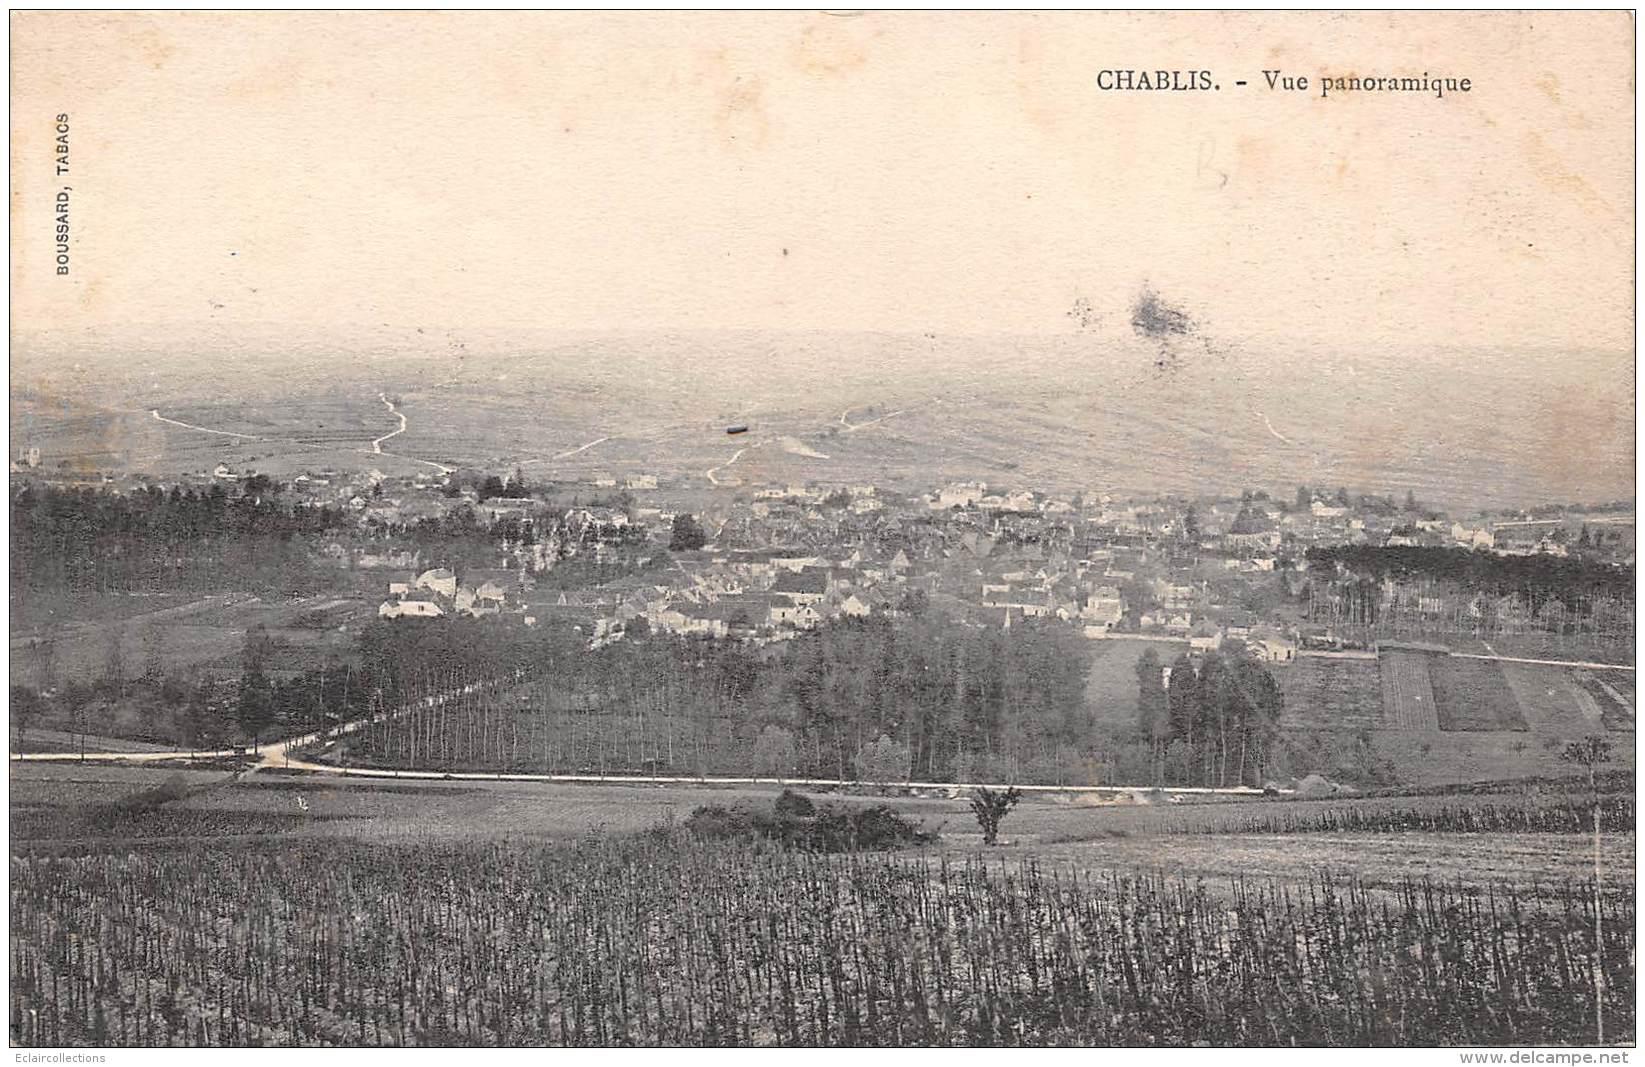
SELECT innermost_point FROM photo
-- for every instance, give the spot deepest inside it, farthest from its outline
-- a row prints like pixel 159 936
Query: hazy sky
pixel 952 173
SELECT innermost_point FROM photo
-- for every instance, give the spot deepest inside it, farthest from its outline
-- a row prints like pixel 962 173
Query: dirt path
pixel 377 445
pixel 203 429
pixel 735 456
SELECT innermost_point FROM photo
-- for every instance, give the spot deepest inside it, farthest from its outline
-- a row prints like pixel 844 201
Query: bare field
pixel 186 632
pixel 1474 695
pixel 1585 648
pixel 1478 756
pixel 41 739
pixel 30 613
pixel 1526 860
pixel 1551 701
pixel 1111 687
pixel 1323 693
pixel 1196 840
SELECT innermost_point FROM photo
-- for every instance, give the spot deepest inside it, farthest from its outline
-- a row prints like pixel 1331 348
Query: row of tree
pixel 910 697
pixel 1536 577
pixel 1211 721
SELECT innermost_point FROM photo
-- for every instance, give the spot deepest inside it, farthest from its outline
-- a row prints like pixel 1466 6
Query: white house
pixel 803 616
pixel 1205 638
pixel 439 580
pixel 403 609
pixel 1322 510
pixel 1103 609
pixel 855 607
pixel 960 494
pixel 1272 647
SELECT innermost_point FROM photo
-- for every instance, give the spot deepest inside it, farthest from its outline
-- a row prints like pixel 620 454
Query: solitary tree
pixel 687 536
pixel 1183 709
pixel 1190 524
pixel 1153 711
pixel 991 806
pixel 256 699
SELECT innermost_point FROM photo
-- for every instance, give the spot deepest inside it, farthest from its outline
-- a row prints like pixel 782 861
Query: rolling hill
pixel 1047 412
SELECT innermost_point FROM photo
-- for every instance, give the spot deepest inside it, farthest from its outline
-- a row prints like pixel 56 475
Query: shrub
pixel 796 822
pixel 990 807
pixel 794 804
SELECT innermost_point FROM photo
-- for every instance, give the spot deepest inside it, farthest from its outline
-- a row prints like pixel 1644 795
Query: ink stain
pixel 1166 325
pixel 1153 318
pixel 1084 315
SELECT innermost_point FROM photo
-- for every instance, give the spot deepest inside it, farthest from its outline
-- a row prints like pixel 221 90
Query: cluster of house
pixel 783 559
pixel 1027 583
pixel 976 495
pixel 1557 536
pixel 436 592
pixel 790 558
pixel 760 597
pixel 375 495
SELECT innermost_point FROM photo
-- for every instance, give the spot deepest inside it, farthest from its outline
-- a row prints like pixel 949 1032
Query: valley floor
pixel 68 805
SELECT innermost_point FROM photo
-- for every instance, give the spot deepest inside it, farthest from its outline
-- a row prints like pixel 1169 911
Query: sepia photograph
pixel 905 529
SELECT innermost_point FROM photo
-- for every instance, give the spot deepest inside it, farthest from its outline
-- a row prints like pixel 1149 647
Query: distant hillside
pixel 1467 429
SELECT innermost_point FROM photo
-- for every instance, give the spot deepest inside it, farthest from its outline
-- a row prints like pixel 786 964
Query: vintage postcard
pixel 841 528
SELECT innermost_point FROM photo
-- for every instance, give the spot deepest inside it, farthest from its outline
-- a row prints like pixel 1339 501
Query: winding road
pixel 735 456
pixel 377 445
pixel 583 448
pixel 1273 431
pixel 203 429
pixel 853 427
pixel 274 754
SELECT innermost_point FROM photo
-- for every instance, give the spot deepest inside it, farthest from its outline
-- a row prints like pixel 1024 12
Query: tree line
pixel 83 541
pixel 1213 721
pixel 1538 577
pixel 893 699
